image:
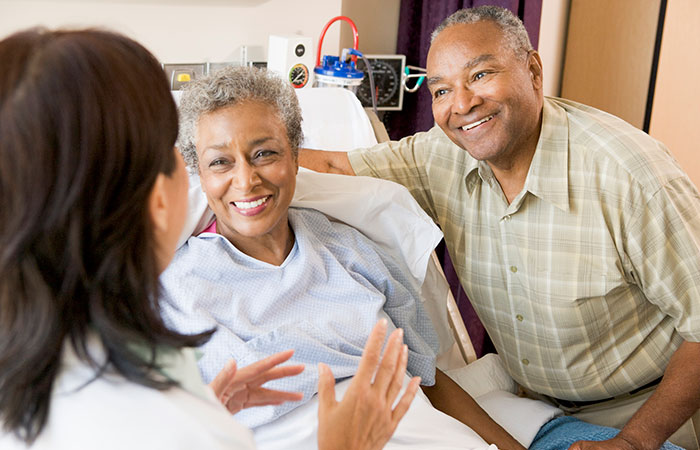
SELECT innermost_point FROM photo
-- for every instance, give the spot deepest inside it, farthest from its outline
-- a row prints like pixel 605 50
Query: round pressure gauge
pixel 299 75
pixel 387 82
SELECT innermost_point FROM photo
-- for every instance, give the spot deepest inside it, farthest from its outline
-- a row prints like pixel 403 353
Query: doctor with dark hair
pixel 94 197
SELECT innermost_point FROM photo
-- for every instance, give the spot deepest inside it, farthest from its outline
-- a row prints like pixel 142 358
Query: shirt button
pixel 519 317
pixel 507 218
pixel 513 269
pixel 526 361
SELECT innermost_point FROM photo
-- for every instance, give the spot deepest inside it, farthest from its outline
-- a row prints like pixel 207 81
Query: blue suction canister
pixel 336 72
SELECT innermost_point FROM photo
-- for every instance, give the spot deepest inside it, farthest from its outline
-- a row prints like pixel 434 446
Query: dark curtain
pixel 418 18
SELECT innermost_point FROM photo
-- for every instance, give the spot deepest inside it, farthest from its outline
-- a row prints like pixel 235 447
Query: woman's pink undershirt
pixel 211 228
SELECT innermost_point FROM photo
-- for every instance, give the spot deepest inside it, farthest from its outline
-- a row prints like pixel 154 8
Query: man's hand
pixel 238 389
pixel 365 419
pixel 616 443
pixel 675 400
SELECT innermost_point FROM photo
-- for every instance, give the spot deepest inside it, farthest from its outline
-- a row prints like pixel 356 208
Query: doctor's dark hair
pixel 231 86
pixel 513 29
pixel 87 123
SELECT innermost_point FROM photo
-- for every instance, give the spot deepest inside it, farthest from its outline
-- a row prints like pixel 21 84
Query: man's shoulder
pixel 592 125
pixel 587 123
pixel 609 143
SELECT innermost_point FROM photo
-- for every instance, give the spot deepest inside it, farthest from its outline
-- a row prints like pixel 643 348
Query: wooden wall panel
pixel 609 52
pixel 675 117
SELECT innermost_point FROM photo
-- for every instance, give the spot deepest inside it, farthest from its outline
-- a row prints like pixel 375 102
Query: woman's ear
pixel 160 219
pixel 158 206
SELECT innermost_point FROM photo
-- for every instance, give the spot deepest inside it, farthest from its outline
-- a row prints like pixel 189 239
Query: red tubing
pixel 355 36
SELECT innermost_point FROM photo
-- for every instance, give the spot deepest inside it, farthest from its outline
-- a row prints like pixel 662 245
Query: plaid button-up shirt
pixel 590 279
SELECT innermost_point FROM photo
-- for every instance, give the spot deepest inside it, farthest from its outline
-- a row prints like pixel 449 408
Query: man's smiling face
pixel 486 98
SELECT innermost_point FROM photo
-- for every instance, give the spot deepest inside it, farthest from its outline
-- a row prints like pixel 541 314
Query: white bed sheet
pixel 423 427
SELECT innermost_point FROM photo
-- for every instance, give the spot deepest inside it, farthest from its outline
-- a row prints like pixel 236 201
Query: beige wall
pixel 675 118
pixel 184 30
pixel 214 30
pixel 377 24
pixel 609 52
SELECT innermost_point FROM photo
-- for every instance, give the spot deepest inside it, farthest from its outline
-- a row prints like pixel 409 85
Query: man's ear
pixel 158 205
pixel 534 65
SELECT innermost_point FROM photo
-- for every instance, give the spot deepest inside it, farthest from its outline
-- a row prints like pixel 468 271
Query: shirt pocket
pixel 568 287
pixel 576 301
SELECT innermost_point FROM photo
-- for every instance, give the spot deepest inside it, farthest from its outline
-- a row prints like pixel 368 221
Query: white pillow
pixel 334 120
pixel 382 210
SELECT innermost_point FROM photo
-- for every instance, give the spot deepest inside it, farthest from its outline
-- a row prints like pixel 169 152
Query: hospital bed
pixel 333 119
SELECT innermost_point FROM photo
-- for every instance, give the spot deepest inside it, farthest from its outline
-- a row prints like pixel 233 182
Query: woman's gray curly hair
pixel 513 29
pixel 229 87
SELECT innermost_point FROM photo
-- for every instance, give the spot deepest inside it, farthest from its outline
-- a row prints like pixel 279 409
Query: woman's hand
pixel 238 389
pixel 364 419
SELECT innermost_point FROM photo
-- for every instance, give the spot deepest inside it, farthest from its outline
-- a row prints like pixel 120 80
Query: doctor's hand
pixel 238 389
pixel 365 419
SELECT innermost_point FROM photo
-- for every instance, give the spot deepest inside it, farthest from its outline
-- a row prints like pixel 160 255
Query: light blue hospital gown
pixel 322 302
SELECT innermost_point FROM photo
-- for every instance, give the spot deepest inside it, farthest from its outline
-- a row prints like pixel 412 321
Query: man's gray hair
pixel 231 86
pixel 513 29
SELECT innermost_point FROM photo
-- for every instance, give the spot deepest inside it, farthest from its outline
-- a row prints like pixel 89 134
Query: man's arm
pixel 676 399
pixel 325 161
pixel 450 398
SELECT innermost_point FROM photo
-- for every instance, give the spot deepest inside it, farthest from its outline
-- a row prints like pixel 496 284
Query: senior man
pixel 575 235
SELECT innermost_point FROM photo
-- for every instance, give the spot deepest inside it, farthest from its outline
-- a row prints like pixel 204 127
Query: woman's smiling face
pixel 247 170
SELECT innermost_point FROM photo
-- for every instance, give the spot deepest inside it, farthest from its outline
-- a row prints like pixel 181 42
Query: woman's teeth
pixel 249 205
pixel 476 124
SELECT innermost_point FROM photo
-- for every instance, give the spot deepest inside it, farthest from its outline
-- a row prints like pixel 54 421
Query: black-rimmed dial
pixel 386 83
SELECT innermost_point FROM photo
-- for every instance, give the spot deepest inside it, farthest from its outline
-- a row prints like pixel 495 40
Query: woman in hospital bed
pixel 271 277
pixel 93 198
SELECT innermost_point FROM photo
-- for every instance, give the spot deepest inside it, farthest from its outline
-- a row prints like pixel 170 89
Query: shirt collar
pixel 474 170
pixel 548 177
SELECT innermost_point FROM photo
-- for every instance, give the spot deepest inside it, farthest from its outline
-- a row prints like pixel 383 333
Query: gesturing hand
pixel 364 419
pixel 238 389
